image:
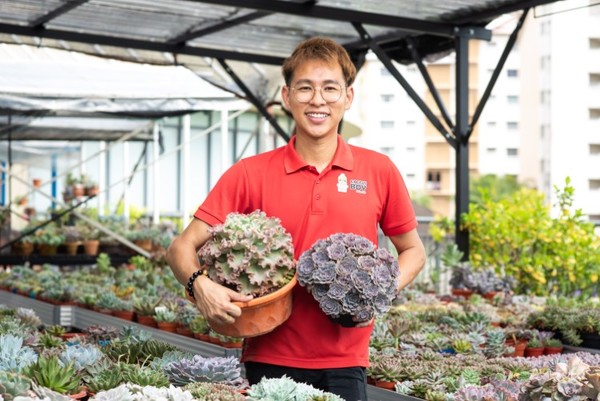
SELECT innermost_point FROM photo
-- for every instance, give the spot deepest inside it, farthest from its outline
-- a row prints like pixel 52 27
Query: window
pixel 512 125
pixel 512 99
pixel 387 124
pixel 512 152
pixel 386 98
pixel 491 150
pixel 594 185
pixel 512 73
pixel 434 179
pixel 387 150
pixel 594 149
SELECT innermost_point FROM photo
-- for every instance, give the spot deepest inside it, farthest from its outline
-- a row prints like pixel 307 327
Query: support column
pixel 186 122
pixel 126 169
pixel 225 155
pixel 155 175
pixel 461 132
pixel 101 198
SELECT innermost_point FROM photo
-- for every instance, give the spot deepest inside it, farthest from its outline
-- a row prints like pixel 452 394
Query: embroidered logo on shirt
pixel 342 184
pixel 360 186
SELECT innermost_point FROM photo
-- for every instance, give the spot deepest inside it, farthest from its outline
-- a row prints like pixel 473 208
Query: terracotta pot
pixel 145 244
pixel 146 320
pixel 78 190
pixel 233 345
pixel 48 250
pixel 37 182
pixel 91 191
pixel 552 350
pixel 519 347
pixel 531 352
pixel 461 292
pixel 184 331
pixel 22 248
pixel 91 247
pixel 202 336
pixel 123 314
pixel 489 295
pixel 385 384
pixel 72 247
pixel 171 327
pixel 81 395
pixel 260 315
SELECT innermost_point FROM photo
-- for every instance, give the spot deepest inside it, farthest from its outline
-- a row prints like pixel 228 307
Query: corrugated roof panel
pixel 24 11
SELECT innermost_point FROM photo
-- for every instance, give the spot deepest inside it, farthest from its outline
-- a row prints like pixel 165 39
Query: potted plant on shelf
pixel 90 187
pixel 166 319
pixel 90 237
pixel 72 239
pixel 20 200
pixel 534 348
pixel 252 254
pixel 49 239
pixel 352 280
pixel 553 346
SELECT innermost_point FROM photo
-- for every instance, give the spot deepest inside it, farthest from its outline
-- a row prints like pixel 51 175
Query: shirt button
pixel 318 197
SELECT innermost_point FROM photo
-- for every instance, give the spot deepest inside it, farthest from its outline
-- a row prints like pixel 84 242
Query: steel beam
pixel 65 8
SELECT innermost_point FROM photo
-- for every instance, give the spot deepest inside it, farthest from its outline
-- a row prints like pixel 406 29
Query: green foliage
pixel 494 188
pixel 13 385
pixel 545 255
pixel 48 372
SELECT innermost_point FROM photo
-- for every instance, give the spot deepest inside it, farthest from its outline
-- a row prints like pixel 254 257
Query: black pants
pixel 348 383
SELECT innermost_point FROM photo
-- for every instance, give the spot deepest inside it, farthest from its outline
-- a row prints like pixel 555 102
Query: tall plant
pixel 558 255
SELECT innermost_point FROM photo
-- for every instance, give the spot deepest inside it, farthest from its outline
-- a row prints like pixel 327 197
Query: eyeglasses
pixel 304 93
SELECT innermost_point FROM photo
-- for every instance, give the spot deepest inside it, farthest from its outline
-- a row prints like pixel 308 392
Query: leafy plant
pixel 48 372
pixel 545 254
pixel 13 385
pixel 251 254
pixel 347 275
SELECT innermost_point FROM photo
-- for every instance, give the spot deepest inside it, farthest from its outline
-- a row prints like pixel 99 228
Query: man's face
pixel 317 117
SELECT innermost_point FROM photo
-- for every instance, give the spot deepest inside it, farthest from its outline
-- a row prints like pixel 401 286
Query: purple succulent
pixel 349 276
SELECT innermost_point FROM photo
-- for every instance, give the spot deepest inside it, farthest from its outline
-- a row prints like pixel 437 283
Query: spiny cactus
pixel 200 369
pixel 13 385
pixel 251 254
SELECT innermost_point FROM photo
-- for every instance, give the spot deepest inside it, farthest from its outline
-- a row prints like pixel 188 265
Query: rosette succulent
pixel 200 369
pixel 251 254
pixel 349 276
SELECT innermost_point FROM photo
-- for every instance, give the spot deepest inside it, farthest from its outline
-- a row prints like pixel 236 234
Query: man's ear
pixel 349 96
pixel 285 96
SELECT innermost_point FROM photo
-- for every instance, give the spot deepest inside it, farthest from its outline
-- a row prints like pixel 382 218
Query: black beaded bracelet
pixel 193 277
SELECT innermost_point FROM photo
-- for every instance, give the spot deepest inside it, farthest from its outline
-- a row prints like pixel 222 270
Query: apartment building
pixel 541 122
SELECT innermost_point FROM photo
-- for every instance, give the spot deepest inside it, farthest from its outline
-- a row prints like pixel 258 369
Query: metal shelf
pixel 59 259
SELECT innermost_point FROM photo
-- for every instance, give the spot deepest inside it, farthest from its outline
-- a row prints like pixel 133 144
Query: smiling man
pixel 317 185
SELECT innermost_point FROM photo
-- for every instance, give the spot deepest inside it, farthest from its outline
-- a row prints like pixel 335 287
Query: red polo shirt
pixel 360 190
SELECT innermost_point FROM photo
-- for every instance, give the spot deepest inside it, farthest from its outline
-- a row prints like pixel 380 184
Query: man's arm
pixel 212 299
pixel 411 256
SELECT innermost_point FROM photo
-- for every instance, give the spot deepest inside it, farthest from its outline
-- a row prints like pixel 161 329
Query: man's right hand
pixel 215 301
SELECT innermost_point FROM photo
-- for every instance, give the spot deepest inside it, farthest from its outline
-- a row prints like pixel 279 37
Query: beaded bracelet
pixel 193 277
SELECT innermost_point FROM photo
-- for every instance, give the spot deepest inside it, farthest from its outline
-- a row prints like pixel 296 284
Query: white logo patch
pixel 342 184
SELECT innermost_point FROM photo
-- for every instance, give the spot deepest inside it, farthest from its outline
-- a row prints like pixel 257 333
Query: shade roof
pixel 191 32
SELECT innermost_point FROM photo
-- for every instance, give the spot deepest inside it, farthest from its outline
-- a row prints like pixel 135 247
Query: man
pixel 317 185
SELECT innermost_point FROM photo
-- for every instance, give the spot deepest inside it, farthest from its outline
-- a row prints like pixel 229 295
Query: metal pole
pixel 186 164
pixel 462 139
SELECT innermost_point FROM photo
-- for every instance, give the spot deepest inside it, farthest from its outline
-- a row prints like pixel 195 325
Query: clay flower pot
pixel 146 320
pixel 260 315
pixel 531 352
pixel 553 350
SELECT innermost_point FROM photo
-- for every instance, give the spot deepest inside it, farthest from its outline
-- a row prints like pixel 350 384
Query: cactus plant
pixel 199 369
pixel 251 254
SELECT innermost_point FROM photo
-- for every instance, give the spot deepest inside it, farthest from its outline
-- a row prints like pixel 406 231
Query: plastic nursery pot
pixel 261 315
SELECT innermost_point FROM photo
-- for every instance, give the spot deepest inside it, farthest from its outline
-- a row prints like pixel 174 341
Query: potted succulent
pixel 553 346
pixel 352 280
pixel 90 237
pixel 252 254
pixel 534 348
pixel 72 239
pixel 166 319
pixel 225 370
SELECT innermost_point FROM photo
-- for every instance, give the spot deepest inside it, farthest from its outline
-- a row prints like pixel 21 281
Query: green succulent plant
pixel 251 254
pixel 200 369
pixel 13 355
pixel 144 376
pixel 49 372
pixel 104 380
pixel 13 385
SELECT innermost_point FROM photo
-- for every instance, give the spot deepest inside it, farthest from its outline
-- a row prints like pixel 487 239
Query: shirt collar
pixel 343 157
